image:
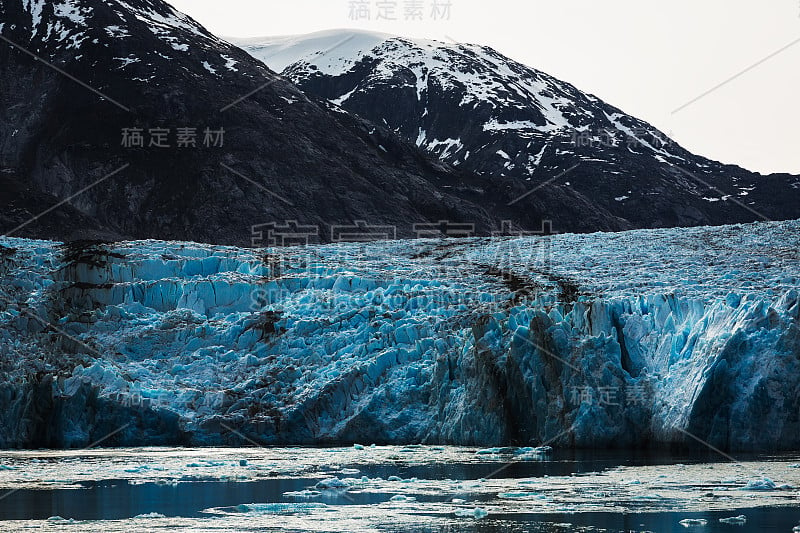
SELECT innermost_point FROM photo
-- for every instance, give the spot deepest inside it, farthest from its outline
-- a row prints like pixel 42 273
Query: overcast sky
pixel 647 57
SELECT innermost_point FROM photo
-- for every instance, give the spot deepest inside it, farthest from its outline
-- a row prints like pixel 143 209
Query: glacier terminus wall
pixel 638 339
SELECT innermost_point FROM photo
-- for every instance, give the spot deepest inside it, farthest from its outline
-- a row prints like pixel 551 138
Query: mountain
pixel 83 80
pixel 588 164
pixel 475 341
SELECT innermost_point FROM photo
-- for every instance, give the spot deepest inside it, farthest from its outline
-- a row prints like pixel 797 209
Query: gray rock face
pixel 497 342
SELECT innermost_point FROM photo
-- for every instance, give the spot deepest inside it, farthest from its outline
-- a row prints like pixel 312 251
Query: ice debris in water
pixel 333 483
pixel 150 515
pixel 401 498
pixel 305 494
pixel 693 522
pixel 760 484
pixel 735 520
pixel 60 519
pixel 513 450
pixel 520 496
pixel 476 513
pixel 279 508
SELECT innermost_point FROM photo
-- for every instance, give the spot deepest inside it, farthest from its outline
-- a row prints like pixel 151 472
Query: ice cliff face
pixel 632 339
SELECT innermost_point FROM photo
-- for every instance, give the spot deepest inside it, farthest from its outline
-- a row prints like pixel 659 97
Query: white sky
pixel 646 57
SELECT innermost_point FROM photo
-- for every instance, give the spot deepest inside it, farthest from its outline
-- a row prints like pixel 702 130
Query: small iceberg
pixel 279 508
pixel 476 513
pixel 507 450
pixel 760 484
pixel 149 515
pixel 520 496
pixel 333 483
pixel 60 519
pixel 306 494
pixel 693 522
pixel 735 520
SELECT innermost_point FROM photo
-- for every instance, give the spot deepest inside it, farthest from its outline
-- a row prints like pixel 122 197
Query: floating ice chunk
pixel 149 515
pixel 520 496
pixel 351 471
pixel 279 508
pixel 476 513
pixel 497 451
pixel 736 520
pixel 401 498
pixel 305 494
pixel 333 483
pixel 693 522
pixel 760 484
pixel 395 478
pixel 137 469
pixel 458 500
pixel 60 519
pixel 358 446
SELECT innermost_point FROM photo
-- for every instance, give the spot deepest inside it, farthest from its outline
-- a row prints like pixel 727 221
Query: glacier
pixel 646 338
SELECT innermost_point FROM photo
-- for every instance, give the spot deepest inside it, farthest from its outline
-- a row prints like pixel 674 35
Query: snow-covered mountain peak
pixel 347 46
pixel 52 28
pixel 503 95
pixel 517 129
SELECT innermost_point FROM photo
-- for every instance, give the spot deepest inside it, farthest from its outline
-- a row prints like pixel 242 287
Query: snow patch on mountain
pixel 332 51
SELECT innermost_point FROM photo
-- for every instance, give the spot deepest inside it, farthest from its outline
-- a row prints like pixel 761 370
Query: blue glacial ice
pixel 643 338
